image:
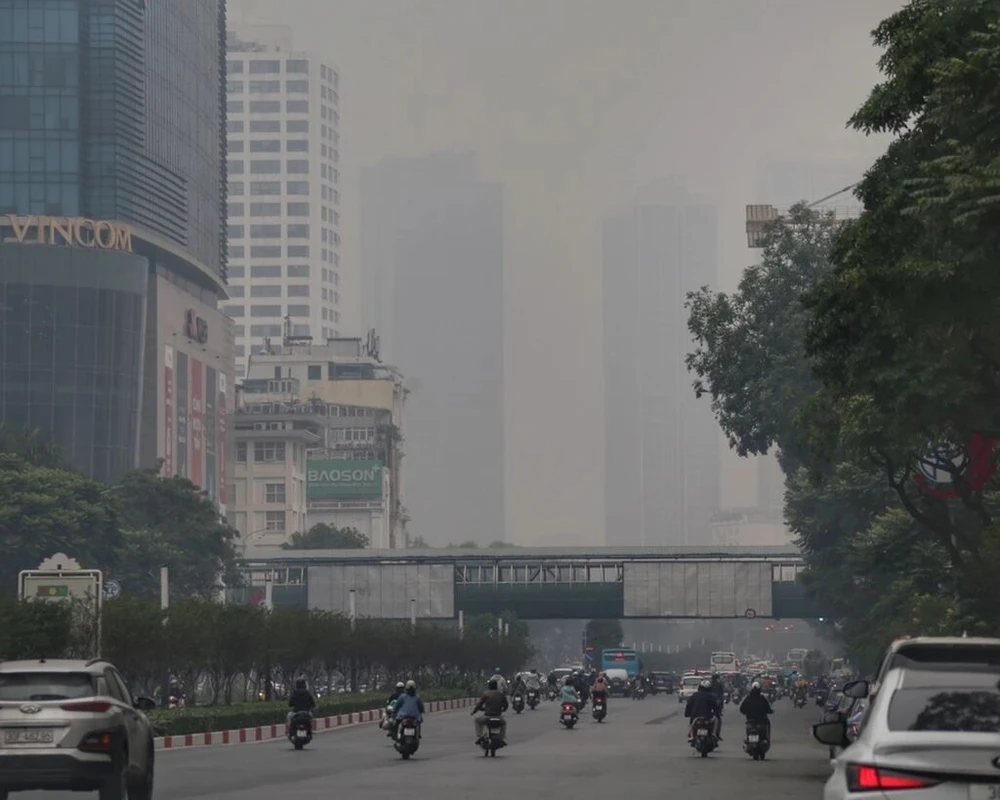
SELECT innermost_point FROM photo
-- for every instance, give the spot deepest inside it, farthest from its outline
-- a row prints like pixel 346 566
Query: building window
pixel 269 451
pixel 234 166
pixel 265 311
pixel 265 87
pixel 298 310
pixel 298 209
pixel 265 251
pixel 234 67
pixel 274 493
pixel 236 272
pixel 263 330
pixel 297 87
pixel 298 290
pixel 297 66
pixel 265 291
pixel 297 106
pixel 235 145
pixel 265 271
pixel 262 67
pixel 297 166
pixel 298 271
pixel 235 291
pixel 234 107
pixel 241 452
pixel 298 251
pixel 235 231
pixel 297 126
pixel 233 311
pixel 234 126
pixel 265 146
pixel 265 209
pixel 265 166
pixel 274 521
pixel 265 231
pixel 315 372
pixel 234 87
pixel 265 106
pixel 265 126
pixel 235 209
pixel 298 231
pixel 297 146
pixel 236 187
pixel 297 187
pixel 265 187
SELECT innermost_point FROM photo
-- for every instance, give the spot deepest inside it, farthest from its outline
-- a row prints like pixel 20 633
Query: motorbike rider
pixel 719 690
pixel 756 708
pixel 801 686
pixel 391 705
pixel 500 679
pixel 409 704
pixel 493 703
pixel 581 685
pixel 533 681
pixel 568 693
pixel 519 686
pixel 600 689
pixel 704 704
pixel 301 699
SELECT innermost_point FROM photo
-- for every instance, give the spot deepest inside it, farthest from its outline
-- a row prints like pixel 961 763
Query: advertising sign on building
pixel 329 478
pixel 209 438
pixel 181 451
pixel 197 422
pixel 168 412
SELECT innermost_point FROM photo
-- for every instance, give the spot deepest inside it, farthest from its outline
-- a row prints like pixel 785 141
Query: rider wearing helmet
pixel 493 703
pixel 400 688
pixel 702 704
pixel 600 689
pixel 756 708
pixel 409 705
pixel 301 699
pixel 500 679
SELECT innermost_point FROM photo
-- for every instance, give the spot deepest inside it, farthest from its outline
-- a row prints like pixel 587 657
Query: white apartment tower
pixel 283 112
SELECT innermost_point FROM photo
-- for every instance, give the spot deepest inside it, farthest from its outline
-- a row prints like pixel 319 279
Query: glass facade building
pixel 71 333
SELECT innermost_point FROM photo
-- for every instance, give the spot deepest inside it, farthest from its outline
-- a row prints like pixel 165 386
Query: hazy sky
pixel 574 105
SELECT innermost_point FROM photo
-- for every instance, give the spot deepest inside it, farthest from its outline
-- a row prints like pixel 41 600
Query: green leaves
pixel 326 537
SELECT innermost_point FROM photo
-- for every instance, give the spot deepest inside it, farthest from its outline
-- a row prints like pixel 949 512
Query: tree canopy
pixel 327 537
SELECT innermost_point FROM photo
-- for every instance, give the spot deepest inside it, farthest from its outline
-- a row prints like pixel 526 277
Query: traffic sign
pixel 112 589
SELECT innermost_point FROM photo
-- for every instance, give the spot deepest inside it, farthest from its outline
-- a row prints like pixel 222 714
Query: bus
pixel 796 657
pixel 724 661
pixel 621 658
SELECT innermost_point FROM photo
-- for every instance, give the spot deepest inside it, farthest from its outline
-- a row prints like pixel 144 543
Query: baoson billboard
pixel 327 478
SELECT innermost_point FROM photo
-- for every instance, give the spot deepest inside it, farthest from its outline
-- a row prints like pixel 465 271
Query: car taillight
pixel 865 778
pixel 97 743
pixel 91 706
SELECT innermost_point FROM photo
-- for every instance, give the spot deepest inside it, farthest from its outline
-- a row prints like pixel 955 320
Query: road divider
pixel 266 733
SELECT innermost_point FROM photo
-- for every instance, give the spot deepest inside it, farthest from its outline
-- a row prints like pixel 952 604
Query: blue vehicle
pixel 621 658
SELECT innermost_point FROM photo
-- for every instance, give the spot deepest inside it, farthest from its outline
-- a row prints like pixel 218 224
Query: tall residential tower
pixel 662 449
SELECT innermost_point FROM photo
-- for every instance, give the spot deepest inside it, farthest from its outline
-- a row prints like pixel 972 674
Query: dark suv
pixel 73 726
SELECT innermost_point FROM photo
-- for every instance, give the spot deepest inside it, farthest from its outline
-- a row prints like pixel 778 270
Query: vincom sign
pixel 71 231
pixel 332 479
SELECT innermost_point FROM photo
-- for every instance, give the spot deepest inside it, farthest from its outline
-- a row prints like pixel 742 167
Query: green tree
pixel 603 634
pixel 326 537
pixel 171 522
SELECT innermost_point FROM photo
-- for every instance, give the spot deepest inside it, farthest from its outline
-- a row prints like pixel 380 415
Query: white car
pixel 688 686
pixel 931 733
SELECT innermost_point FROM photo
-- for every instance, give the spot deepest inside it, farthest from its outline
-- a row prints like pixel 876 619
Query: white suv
pixel 73 726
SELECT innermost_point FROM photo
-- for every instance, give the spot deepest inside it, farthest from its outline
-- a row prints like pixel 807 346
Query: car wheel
pixel 142 788
pixel 116 786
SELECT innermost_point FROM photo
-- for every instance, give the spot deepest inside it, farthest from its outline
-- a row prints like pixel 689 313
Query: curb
pixel 267 733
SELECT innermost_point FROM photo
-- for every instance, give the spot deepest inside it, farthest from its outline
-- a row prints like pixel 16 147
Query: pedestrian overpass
pixel 535 583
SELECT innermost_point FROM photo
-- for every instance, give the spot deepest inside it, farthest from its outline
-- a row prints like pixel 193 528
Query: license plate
pixel 301 733
pixel 410 732
pixel 703 732
pixel 567 716
pixel 984 791
pixel 753 737
pixel 29 736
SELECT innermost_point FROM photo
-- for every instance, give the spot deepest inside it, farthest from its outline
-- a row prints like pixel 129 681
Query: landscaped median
pixel 203 726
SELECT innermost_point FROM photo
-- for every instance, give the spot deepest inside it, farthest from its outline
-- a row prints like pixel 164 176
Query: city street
pixel 639 750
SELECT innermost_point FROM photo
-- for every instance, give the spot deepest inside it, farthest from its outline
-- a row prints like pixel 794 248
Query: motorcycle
pixel 639 691
pixel 756 743
pixel 800 700
pixel 569 714
pixel 600 710
pixel 300 729
pixel 517 703
pixel 492 741
pixel 704 740
pixel 386 723
pixel 552 694
pixel 532 699
pixel 407 738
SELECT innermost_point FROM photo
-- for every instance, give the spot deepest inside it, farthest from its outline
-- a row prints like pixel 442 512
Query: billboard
pixel 384 591
pixel 331 478
pixel 697 589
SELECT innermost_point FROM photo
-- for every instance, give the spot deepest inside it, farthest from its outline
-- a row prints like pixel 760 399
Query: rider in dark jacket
pixel 301 699
pixel 702 704
pixel 755 707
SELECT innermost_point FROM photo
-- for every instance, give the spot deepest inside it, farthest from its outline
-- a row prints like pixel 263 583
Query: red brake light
pixel 864 778
pixel 90 706
pixel 97 743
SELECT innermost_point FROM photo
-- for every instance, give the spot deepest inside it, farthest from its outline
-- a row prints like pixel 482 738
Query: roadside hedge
pixel 203 719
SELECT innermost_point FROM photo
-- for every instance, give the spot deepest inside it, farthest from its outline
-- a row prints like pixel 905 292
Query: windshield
pixel 41 686
pixel 945 710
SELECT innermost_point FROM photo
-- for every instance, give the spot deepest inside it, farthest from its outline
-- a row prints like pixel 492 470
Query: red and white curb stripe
pixel 265 733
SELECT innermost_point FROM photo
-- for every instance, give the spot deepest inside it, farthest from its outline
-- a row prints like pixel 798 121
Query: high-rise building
pixel 432 277
pixel 284 191
pixel 662 449
pixel 112 237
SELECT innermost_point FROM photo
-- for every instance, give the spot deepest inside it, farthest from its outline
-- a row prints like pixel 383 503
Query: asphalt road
pixel 640 749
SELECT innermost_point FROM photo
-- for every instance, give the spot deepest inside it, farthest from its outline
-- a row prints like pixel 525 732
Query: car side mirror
pixel 144 704
pixel 857 690
pixel 832 734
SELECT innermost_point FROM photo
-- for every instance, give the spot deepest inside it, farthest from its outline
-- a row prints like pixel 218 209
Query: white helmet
pixel 755 685
pixel 706 684
pixel 411 684
pixel 400 685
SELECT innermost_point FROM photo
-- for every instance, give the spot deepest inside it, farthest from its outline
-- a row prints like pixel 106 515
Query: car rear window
pixel 692 681
pixel 40 686
pixel 916 655
pixel 945 710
